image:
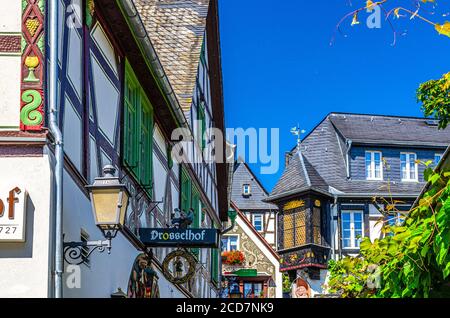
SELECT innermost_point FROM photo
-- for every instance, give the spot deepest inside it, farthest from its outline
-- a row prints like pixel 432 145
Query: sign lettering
pixel 172 237
pixel 12 225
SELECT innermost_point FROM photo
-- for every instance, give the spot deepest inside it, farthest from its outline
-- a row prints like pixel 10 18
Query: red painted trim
pixel 247 222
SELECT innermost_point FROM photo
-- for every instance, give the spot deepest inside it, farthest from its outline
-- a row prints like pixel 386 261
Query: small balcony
pixel 310 255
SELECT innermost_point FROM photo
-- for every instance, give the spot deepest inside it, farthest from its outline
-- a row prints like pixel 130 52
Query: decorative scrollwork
pixel 73 251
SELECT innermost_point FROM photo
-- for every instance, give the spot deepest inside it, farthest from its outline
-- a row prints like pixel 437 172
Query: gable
pixel 243 175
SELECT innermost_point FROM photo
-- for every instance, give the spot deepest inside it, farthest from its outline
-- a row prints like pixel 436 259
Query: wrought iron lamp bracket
pixel 73 251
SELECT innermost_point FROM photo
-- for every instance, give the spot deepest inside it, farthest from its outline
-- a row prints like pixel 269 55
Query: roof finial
pixel 296 131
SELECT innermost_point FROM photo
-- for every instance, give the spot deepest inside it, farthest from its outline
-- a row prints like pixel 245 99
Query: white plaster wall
pixel 11 17
pixel 263 248
pixel 10 66
pixel 25 267
pixel 106 272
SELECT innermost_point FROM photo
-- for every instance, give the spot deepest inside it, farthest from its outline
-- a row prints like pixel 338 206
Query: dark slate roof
pixel 299 176
pixel 390 130
pixel 244 175
pixel 324 154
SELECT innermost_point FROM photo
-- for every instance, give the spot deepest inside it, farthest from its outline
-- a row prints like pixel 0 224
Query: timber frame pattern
pixel 32 76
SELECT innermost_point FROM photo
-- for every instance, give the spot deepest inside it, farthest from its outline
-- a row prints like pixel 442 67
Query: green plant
pixel 413 261
pixel 286 283
pixel 435 98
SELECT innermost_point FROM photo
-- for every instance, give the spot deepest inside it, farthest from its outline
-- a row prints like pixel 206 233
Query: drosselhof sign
pixel 171 237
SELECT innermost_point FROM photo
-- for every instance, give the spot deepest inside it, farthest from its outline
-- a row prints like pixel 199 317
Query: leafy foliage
pixel 412 261
pixel 435 98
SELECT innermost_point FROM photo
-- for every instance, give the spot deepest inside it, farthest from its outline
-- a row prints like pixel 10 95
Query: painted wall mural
pixel 254 258
pixel 32 95
pixel 143 281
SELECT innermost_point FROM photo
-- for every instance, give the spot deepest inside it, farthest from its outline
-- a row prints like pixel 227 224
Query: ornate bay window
pixel 303 228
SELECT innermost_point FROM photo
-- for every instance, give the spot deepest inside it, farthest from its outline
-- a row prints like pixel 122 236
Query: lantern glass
pixel 107 207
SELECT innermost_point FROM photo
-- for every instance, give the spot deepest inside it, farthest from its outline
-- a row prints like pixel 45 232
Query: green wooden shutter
pixel 185 191
pixel 138 131
pixel 215 265
pixel 131 118
pixel 146 143
pixel 201 117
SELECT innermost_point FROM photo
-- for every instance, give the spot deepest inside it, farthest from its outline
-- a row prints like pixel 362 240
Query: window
pixel 352 228
pixel 294 222
pixel 316 222
pixel 138 130
pixel 437 158
pixel 374 170
pixel 230 243
pixel 190 199
pixel 246 189
pixel 394 219
pixel 201 117
pixel 258 222
pixel 409 167
pixel 253 290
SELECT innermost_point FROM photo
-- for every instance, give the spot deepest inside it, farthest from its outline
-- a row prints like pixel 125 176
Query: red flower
pixel 233 258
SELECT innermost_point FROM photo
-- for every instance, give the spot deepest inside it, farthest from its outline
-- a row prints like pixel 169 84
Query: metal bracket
pixel 73 251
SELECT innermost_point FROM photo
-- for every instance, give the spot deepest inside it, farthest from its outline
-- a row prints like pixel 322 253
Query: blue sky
pixel 279 68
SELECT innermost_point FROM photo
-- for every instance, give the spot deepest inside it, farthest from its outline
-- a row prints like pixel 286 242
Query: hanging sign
pixel 12 214
pixel 173 237
pixel 179 267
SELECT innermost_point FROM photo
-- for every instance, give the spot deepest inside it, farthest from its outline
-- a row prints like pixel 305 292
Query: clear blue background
pixel 279 68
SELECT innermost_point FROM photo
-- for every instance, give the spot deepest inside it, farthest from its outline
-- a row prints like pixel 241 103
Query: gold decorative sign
pixel 12 214
pixel 294 204
pixel 179 267
pixel 317 203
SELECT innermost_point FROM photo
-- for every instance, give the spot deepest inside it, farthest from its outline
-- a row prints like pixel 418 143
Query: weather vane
pixel 296 131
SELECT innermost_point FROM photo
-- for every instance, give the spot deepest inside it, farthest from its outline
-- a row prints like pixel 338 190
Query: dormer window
pixel 246 190
pixel 374 170
pixel 409 167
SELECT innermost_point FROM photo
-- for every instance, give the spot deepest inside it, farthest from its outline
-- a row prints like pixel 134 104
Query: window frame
pixel 371 176
pixel 228 247
pixel 408 167
pixel 244 193
pixel 261 215
pixel 440 155
pixel 352 238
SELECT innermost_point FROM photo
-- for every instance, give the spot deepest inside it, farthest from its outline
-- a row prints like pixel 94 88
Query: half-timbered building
pixel 130 74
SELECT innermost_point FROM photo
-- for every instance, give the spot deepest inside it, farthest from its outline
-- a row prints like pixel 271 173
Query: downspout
pixel 58 142
pixel 349 148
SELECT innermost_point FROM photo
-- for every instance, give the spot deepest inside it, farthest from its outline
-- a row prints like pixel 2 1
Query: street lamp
pixel 109 200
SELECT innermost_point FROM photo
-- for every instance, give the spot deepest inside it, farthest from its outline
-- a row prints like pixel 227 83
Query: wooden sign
pixel 12 214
